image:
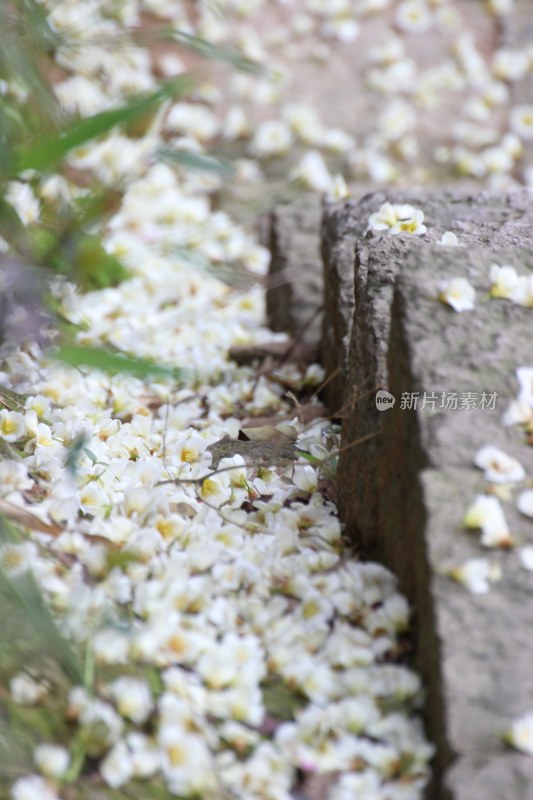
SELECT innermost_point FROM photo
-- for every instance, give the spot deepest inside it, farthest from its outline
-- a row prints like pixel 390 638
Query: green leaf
pixel 94 268
pixel 45 153
pixel 75 451
pixel 197 161
pixel 90 455
pixel 280 701
pixel 26 595
pixel 215 52
pixel 97 358
pixel 12 400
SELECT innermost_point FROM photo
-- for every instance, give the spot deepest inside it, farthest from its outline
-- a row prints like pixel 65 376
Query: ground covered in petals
pixel 206 631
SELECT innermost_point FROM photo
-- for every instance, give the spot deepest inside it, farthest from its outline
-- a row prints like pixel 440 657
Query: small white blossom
pixel 216 490
pixel 524 503
pixel 522 293
pixel 304 122
pixel 504 280
pixel 117 767
pixel 510 65
pixel 16 559
pixel 272 138
pixel 145 756
pixel 313 172
pixel 525 556
pixel 476 575
pixel 520 734
pixel 12 425
pixel 32 787
pixel 194 119
pixel 339 189
pixel 521 121
pixel 305 478
pixel 525 380
pixel 500 7
pixel 101 725
pixel 413 16
pixel 186 762
pixel 21 197
pixel 133 698
pixel 457 293
pixel 414 225
pixel 51 759
pixel 498 466
pixel 486 513
pixel 449 239
pixel 399 218
pixel 236 124
pixel 518 412
pixel 27 690
pixel 111 646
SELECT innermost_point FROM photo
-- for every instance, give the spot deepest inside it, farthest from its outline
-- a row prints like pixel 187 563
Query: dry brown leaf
pixel 21 516
pixel 276 351
pixel 307 411
pixel 184 509
pixel 268 433
pixel 327 488
pixel 261 453
pixel 24 518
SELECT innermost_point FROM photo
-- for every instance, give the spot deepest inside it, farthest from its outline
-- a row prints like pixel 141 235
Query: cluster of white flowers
pixel 507 284
pixel 271 646
pixel 503 473
pixel 458 292
pixel 235 642
pixel 398 218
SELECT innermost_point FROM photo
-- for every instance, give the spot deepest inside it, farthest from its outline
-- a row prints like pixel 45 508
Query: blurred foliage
pixel 22 594
pixel 213 51
pixel 36 138
pixel 44 153
pixel 115 362
pixel 31 642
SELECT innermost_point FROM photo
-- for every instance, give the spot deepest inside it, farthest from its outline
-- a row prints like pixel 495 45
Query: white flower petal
pixel 498 466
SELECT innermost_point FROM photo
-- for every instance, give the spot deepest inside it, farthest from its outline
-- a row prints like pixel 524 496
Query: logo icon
pixel 384 400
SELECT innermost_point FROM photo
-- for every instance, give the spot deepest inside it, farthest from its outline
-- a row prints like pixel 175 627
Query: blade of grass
pixel 197 161
pixel 214 52
pixel 26 595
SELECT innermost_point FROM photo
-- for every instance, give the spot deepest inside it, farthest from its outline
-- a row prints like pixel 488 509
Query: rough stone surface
pixel 404 492
pixel 295 288
pixel 340 228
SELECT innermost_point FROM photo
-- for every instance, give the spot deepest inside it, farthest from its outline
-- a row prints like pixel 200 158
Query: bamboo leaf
pixel 45 153
pixel 98 358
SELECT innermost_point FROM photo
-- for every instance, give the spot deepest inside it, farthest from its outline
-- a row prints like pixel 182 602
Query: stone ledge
pixel 403 493
pixel 295 294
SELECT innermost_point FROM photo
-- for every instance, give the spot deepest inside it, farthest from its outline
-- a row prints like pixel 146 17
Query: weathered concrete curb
pixel 404 493
pixel 295 296
pixel 339 231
